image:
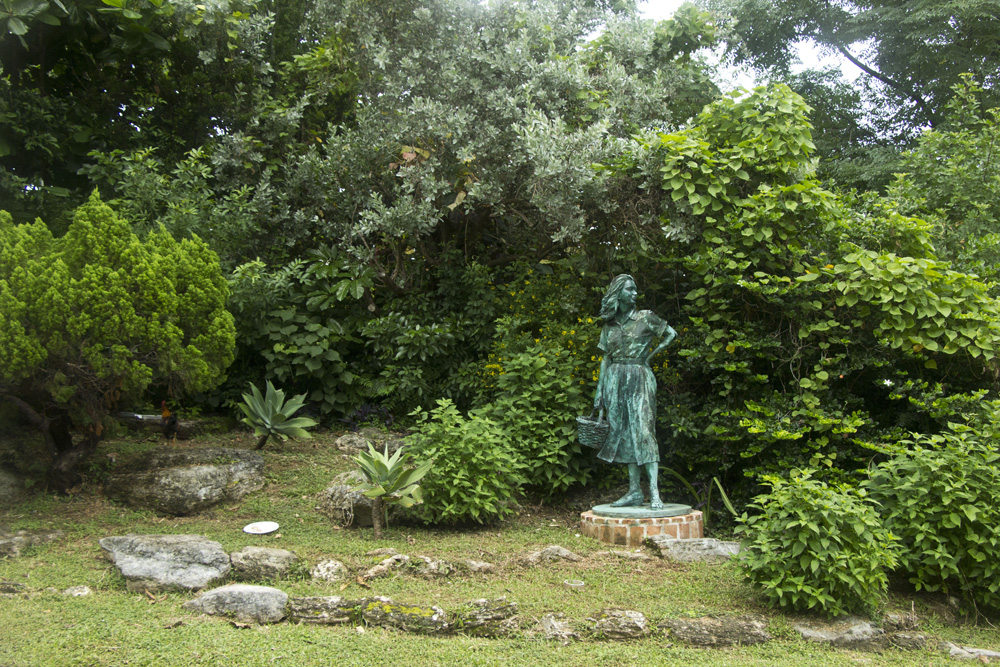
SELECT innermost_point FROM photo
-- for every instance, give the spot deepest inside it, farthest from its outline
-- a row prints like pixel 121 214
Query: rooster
pixel 168 423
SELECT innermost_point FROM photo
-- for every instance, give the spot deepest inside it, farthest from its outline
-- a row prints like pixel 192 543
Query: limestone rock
pixel 620 624
pixel 480 567
pixel 12 488
pixel 431 567
pixel 12 544
pixel 702 549
pixel 343 503
pixel 848 632
pixel 384 551
pixel 724 631
pixel 383 612
pixel 353 443
pixel 969 653
pixel 553 553
pixel 77 591
pixel 324 610
pixel 555 626
pixel 487 618
pixel 167 562
pixel 390 564
pixel 262 563
pixel 180 482
pixel 242 602
pixel 329 570
pixel 907 641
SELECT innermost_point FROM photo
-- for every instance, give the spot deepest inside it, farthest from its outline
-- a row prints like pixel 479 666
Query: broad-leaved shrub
pixel 940 497
pixel 477 475
pixel 812 545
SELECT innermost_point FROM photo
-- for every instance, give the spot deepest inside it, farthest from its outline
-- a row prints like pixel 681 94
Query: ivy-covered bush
pixel 477 474
pixel 812 545
pixel 940 497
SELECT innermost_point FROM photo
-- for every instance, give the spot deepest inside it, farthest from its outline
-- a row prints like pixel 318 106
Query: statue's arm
pixel 598 395
pixel 667 340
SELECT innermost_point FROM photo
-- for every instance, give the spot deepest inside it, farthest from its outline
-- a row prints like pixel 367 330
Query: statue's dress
pixel 629 390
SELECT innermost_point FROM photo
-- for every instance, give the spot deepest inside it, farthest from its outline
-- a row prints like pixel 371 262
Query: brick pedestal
pixel 633 532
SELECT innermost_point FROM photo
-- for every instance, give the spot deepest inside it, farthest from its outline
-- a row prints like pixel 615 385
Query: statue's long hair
pixel 609 303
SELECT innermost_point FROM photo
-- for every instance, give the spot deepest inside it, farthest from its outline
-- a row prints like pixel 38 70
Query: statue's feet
pixel 655 503
pixel 630 499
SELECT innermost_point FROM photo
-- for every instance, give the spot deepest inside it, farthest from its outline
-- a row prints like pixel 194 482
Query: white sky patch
pixel 810 57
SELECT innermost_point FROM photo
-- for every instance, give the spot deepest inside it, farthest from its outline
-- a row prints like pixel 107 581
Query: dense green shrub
pixel 940 497
pixel 538 409
pixel 89 321
pixel 812 545
pixel 298 325
pixel 476 475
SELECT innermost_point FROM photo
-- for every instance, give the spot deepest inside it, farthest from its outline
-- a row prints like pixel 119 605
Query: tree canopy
pixel 92 319
pixel 420 201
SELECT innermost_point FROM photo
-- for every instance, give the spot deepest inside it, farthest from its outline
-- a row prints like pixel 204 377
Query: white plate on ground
pixel 260 527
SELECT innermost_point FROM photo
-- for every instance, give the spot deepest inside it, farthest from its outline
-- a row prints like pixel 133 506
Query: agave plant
pixel 389 480
pixel 272 415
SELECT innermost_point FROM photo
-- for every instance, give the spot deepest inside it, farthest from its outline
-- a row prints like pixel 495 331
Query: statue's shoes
pixel 631 499
pixel 655 504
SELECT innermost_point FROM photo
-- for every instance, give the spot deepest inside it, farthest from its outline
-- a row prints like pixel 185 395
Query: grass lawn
pixel 115 627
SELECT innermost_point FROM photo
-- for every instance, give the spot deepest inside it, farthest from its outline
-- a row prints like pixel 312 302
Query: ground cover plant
pixel 115 627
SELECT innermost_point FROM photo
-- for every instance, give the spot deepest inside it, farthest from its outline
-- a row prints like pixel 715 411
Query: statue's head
pixel 612 297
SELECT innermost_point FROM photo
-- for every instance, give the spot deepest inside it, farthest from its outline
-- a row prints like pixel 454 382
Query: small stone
pixel 262 563
pixel 969 653
pixel 553 553
pixel 352 442
pixel 242 602
pixel 77 591
pixel 329 570
pixel 555 626
pixel 480 567
pixel 907 641
pixel 620 624
pixel 12 544
pixel 383 612
pixel 329 610
pixel 383 552
pixel 390 564
pixel 430 567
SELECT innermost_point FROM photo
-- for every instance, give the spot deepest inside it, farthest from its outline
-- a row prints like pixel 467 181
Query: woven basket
pixel 592 432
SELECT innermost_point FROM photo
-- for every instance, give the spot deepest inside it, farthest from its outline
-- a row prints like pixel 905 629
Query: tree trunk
pixel 65 467
pixel 377 517
pixel 67 457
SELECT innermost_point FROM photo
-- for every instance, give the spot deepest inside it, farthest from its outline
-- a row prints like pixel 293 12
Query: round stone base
pixel 640 511
pixel 632 532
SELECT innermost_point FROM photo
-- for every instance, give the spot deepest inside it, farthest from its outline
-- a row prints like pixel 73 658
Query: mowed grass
pixel 44 627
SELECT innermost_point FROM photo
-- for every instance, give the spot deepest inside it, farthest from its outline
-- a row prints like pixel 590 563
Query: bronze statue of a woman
pixel 627 389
